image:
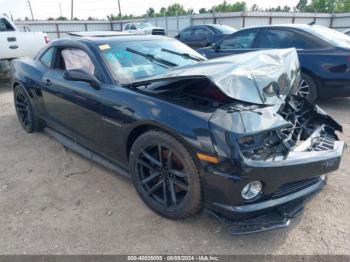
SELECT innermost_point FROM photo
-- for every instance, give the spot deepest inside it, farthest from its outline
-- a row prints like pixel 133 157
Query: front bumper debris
pixel 276 218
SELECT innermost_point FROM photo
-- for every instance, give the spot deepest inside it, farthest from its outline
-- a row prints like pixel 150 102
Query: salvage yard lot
pixel 53 202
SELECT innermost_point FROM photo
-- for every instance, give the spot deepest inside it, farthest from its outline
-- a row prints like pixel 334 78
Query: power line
pixel 31 10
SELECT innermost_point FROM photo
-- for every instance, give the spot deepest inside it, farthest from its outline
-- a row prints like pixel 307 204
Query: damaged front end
pixel 268 140
pixel 288 148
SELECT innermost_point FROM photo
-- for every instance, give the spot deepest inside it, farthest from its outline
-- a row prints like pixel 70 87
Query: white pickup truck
pixel 143 28
pixel 14 44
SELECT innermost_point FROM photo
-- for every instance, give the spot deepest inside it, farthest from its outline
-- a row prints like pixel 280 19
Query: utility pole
pixel 60 10
pixel 31 10
pixel 71 10
pixel 120 11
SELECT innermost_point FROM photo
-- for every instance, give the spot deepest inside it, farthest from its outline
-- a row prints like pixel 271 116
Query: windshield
pixel 225 29
pixel 144 24
pixel 331 36
pixel 131 61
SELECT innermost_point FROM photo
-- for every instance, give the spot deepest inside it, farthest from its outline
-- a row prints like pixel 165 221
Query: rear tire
pixel 25 111
pixel 307 88
pixel 165 175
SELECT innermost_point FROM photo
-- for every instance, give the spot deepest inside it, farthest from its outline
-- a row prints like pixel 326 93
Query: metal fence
pixel 174 24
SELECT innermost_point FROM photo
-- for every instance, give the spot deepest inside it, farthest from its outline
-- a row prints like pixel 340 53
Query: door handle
pixel 11 39
pixel 13 46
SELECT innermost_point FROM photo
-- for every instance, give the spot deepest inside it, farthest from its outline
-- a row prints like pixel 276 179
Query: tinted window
pixel 186 34
pixel 239 40
pixel 144 24
pixel 5 25
pixel 279 38
pixel 201 31
pixel 47 57
pixel 132 27
pixel 127 27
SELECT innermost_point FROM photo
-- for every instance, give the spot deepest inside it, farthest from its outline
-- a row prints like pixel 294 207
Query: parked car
pixel 204 35
pixel 143 28
pixel 323 54
pixel 228 135
pixel 18 44
pixel 347 32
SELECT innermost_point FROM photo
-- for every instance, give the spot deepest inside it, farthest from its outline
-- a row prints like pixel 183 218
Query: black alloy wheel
pixel 24 109
pixel 165 175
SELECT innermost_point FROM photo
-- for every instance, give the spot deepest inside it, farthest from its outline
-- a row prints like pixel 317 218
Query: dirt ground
pixel 43 210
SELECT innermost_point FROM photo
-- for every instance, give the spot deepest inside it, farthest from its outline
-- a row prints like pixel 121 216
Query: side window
pixel 72 58
pixel 133 27
pixel 279 38
pixel 127 26
pixel 46 58
pixel 186 34
pixel 5 25
pixel 202 32
pixel 240 40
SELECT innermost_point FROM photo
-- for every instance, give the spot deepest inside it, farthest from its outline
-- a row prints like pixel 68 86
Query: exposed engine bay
pixel 303 120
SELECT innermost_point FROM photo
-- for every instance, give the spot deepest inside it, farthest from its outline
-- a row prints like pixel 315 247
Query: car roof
pixel 98 40
pixel 98 33
pixel 296 26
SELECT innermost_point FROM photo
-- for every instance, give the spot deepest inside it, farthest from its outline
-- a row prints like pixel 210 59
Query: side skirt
pixel 67 142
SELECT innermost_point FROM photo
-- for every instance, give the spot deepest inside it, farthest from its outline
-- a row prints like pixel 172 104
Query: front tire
pixel 25 111
pixel 165 175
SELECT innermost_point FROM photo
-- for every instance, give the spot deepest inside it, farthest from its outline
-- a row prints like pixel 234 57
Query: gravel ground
pixel 43 210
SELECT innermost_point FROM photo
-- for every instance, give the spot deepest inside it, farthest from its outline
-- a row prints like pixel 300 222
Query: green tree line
pixel 319 6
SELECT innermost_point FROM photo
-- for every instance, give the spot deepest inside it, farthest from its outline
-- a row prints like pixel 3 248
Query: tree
pixel 150 12
pixel 61 18
pixel 343 6
pixel 254 7
pixel 175 9
pixel 190 11
pixel 225 7
pixel 162 11
pixel 302 6
pixel 202 10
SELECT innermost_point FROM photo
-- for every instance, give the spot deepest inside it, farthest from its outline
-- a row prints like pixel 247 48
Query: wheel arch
pixel 312 75
pixel 17 83
pixel 148 126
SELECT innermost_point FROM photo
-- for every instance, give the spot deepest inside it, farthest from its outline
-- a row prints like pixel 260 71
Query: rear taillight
pixel 47 39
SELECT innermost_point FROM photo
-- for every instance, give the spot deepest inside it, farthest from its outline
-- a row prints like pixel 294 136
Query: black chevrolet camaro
pixel 226 135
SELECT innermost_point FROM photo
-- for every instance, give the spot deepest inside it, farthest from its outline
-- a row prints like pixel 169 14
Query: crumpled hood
pixel 262 77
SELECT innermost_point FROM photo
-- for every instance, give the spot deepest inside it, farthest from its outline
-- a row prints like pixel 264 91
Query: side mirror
pixel 177 36
pixel 81 75
pixel 215 46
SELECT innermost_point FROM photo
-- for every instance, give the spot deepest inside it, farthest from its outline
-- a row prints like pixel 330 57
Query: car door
pixel 73 107
pixel 201 37
pixel 186 36
pixel 133 29
pixel 239 42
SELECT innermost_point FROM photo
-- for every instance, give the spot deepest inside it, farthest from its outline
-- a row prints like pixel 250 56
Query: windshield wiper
pixel 184 55
pixel 152 58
